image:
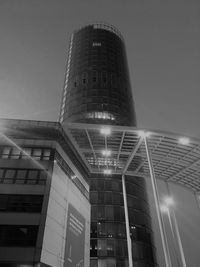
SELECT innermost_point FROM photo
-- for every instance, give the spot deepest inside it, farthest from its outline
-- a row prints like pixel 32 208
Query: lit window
pixel 105 131
pixel 96 44
pixel 107 171
pixel 100 115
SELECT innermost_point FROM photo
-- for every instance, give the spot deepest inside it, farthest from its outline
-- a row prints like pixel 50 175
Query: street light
pixel 168 208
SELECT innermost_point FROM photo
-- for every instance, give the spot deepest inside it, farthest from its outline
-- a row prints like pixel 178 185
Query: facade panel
pixel 97 90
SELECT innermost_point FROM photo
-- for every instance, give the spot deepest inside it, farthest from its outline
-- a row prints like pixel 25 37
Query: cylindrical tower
pixel 97 90
pixel 97 87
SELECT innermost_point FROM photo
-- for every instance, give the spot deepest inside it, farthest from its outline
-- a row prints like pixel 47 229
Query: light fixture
pixel 164 208
pixel 107 171
pixel 142 133
pixel 105 131
pixel 106 153
pixel 169 201
pixel 184 140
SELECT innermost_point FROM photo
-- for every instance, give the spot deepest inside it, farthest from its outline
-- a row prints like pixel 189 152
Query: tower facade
pixel 97 90
pixel 97 86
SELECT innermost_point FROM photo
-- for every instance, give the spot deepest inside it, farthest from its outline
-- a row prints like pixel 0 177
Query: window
pixel 15 153
pixel 9 176
pixel 22 176
pixel 25 153
pixel 37 153
pixel 21 203
pixel 46 154
pixel 96 44
pixel 18 235
pixel 5 153
pixel 93 248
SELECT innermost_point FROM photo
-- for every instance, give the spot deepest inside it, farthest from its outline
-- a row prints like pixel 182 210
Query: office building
pixel 97 91
pixel 44 197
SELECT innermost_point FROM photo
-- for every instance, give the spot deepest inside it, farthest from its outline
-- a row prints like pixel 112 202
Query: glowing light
pixel 169 201
pixel 144 134
pixel 105 131
pixel 184 140
pixel 106 153
pixel 100 115
pixel 107 171
pixel 164 208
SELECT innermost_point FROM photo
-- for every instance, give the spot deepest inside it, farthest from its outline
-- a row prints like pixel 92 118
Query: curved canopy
pixel 121 150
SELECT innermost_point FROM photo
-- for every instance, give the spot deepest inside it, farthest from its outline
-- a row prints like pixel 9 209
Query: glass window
pixel 93 263
pixel 101 212
pixel 18 235
pixel 37 153
pixel 93 248
pixel 102 247
pixel 9 176
pixel 32 176
pixel 21 176
pixel 110 247
pixel 42 177
pixel 93 197
pixel 107 262
pixel 1 173
pixel 108 198
pixel 26 152
pixel 3 202
pixel 93 231
pixel 15 154
pixel 109 212
pixel 46 154
pixel 6 152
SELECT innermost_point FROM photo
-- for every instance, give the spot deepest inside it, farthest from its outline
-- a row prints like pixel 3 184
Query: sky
pixel 162 41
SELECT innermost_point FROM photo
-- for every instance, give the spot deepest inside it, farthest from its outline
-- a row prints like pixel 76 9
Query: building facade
pixel 44 197
pixel 97 90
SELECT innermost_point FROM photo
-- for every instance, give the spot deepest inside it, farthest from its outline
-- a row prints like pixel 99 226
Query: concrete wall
pixel 62 193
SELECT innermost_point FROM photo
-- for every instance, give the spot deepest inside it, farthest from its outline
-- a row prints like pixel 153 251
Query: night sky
pixel 162 40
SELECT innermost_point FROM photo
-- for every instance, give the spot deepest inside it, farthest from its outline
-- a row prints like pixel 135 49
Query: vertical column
pixel 178 238
pixel 130 258
pixel 197 198
pixel 171 213
pixel 157 204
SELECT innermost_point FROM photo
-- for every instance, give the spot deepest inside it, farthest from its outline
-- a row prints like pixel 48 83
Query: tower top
pixel 103 26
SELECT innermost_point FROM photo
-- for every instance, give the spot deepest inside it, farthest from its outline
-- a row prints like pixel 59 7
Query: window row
pixel 116 186
pixel 116 213
pixel 96 77
pixel 18 235
pixel 21 203
pixel 105 185
pixel 108 248
pixel 108 198
pixel 118 230
pixel 111 262
pixel 112 248
pixel 107 213
pixel 115 198
pixel 22 176
pixel 9 152
pixel 107 229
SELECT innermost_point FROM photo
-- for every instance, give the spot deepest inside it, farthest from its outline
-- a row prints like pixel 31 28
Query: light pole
pixel 171 214
pixel 157 203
